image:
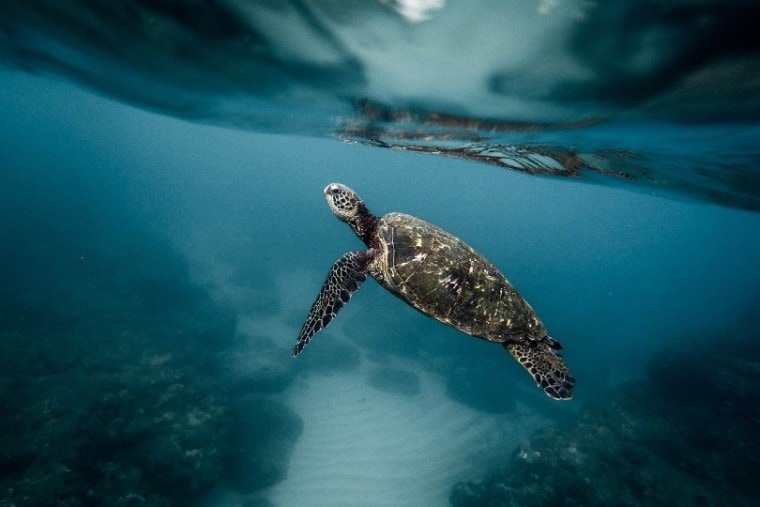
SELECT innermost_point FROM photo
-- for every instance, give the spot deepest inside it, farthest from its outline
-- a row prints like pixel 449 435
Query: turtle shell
pixel 443 277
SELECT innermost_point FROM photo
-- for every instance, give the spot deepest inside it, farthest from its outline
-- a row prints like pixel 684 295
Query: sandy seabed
pixel 363 446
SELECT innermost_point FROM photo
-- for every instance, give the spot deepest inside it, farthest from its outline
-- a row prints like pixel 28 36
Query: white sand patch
pixel 363 447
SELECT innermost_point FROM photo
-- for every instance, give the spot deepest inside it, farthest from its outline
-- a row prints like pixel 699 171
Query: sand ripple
pixel 361 446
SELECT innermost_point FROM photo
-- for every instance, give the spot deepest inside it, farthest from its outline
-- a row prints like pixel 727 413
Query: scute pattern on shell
pixel 443 277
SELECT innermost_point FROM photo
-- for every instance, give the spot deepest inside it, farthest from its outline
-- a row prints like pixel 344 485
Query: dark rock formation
pixel 262 441
pixel 684 436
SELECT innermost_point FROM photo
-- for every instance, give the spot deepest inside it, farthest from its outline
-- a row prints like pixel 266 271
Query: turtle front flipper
pixel 345 277
pixel 545 366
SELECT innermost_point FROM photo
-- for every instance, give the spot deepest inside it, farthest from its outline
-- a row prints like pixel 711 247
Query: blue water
pixel 155 272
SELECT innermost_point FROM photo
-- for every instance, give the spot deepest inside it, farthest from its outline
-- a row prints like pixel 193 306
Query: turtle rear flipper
pixel 546 367
pixel 344 278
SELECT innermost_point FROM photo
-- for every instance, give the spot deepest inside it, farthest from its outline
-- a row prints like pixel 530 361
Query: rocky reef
pixel 264 433
pixel 684 435
pixel 113 388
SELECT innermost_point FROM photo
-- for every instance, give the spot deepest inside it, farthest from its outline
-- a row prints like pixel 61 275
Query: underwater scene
pixel 170 229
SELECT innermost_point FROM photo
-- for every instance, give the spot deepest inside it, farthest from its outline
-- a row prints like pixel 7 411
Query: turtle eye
pixel 334 190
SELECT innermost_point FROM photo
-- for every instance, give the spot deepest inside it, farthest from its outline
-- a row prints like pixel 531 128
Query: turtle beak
pixel 330 188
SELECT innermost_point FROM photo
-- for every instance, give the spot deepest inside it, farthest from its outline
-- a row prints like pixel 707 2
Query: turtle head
pixel 349 207
pixel 344 203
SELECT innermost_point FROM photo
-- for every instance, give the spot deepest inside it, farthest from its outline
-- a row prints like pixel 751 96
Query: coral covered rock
pixel 684 436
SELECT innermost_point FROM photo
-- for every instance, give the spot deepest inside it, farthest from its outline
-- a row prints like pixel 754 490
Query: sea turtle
pixel 442 277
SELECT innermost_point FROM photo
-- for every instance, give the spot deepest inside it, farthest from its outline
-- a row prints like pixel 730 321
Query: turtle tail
pixel 548 369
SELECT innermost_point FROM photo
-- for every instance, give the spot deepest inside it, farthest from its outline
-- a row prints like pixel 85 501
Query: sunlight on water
pixel 538 87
